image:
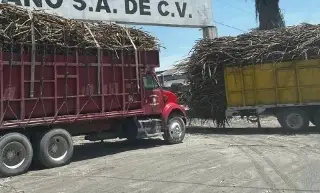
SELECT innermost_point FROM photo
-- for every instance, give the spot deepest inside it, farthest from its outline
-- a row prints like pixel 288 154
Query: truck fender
pixel 173 108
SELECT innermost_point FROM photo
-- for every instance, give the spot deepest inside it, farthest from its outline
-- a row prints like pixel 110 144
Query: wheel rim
pixel 58 148
pixel 175 129
pixel 294 121
pixel 13 155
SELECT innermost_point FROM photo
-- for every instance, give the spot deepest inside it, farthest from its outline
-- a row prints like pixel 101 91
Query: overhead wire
pixel 226 25
pixel 234 7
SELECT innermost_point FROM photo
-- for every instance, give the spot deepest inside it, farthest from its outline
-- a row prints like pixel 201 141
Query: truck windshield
pixel 150 82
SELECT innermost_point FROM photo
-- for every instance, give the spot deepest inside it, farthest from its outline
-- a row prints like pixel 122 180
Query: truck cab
pixel 162 113
pixel 157 98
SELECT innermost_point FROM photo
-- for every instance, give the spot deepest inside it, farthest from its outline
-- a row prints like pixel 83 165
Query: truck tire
pixel 15 154
pixel 293 119
pixel 175 131
pixel 55 148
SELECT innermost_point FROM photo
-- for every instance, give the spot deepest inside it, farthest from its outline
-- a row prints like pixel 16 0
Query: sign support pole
pixel 209 32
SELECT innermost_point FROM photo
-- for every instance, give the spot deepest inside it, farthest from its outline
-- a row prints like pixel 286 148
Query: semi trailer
pixel 289 90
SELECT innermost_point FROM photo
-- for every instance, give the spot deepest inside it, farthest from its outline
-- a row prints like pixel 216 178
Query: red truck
pixel 49 94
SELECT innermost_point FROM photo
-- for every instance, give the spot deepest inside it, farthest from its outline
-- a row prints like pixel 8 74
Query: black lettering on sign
pixel 54 5
pixel 103 4
pixel 17 2
pixel 143 4
pixel 38 3
pixel 182 12
pixel 80 6
pixel 160 8
pixel 134 9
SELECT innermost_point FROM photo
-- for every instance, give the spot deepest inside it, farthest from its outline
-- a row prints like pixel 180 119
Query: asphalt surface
pixel 244 159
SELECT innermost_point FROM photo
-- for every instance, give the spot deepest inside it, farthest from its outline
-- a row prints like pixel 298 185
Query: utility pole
pixel 209 32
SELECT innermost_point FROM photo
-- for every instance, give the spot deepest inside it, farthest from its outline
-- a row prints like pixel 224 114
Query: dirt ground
pixel 238 159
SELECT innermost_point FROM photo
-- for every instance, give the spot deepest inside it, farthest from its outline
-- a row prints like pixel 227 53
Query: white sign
pixel 193 13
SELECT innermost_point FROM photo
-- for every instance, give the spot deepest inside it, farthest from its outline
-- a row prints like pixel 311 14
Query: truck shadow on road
pixel 87 151
pixel 250 131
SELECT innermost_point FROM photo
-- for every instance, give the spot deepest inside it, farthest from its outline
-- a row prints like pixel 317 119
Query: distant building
pixel 172 76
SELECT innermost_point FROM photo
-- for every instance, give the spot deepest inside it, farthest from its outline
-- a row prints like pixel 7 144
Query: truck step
pixel 154 135
pixel 149 122
pixel 149 128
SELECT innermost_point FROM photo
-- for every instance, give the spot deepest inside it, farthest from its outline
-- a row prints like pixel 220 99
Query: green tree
pixel 269 14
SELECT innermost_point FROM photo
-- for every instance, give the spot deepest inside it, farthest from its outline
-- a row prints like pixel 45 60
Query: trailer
pixel 288 90
pixel 51 93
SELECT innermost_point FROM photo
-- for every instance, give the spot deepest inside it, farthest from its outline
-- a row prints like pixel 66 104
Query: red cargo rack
pixel 64 85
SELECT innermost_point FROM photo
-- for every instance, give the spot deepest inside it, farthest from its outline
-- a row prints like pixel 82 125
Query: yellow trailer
pixel 288 90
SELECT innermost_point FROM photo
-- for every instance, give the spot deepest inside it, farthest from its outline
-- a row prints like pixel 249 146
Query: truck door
pixel 153 97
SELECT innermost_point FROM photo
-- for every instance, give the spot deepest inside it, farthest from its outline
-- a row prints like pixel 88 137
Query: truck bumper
pixel 185 107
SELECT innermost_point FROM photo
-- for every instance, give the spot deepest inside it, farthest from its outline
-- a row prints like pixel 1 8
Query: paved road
pixel 210 160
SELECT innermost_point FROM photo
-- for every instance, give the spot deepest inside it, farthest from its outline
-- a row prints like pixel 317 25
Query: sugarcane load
pixel 264 68
pixel 51 29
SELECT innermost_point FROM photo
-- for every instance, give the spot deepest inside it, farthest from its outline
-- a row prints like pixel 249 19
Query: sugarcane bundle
pixel 205 67
pixel 16 25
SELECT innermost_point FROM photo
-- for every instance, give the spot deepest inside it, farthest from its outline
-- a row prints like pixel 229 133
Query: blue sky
pixel 237 13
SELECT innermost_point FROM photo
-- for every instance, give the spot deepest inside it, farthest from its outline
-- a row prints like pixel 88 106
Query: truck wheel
pixel 293 119
pixel 175 131
pixel 15 154
pixel 55 148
